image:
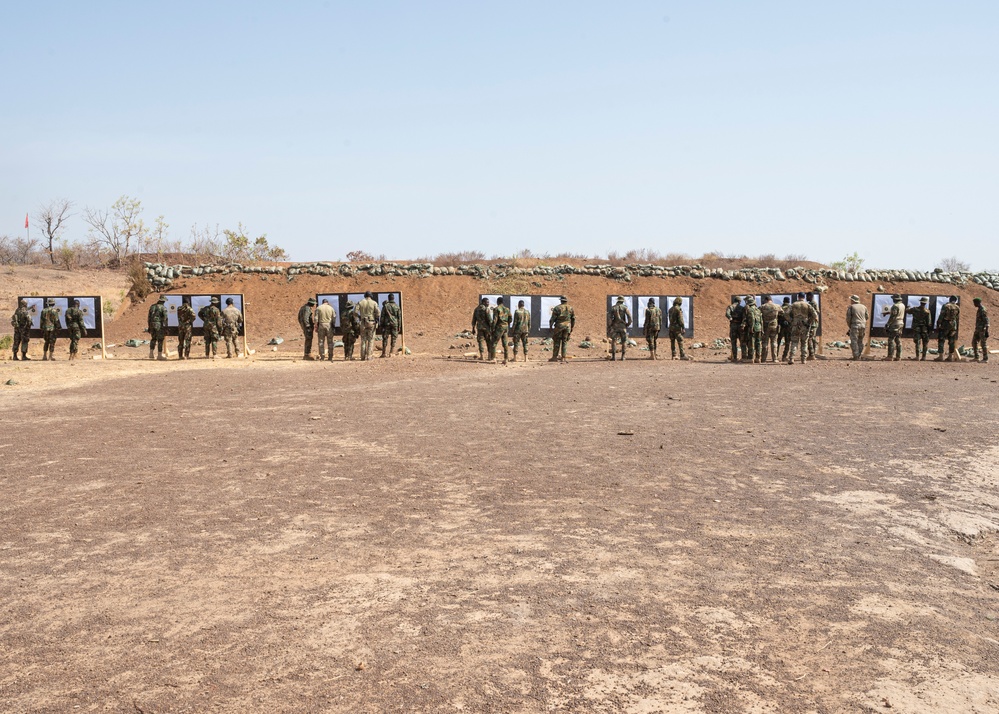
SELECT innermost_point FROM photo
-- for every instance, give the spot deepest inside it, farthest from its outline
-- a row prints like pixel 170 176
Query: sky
pixel 411 129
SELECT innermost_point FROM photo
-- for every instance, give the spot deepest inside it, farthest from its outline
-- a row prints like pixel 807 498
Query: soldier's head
pixel 230 301
pixel 520 303
pixel 678 301
pixel 367 293
pixel 977 301
pixel 499 301
pixel 953 298
pixel 787 301
pixel 652 302
pixel 810 296
pixel 620 299
pixel 765 298
pixel 854 298
pixel 896 297
pixel 391 297
pixel 349 305
pixel 215 301
pixel 310 301
pixel 76 303
pixel 924 301
pixel 22 303
pixel 563 298
pixel 735 299
pixel 162 298
pixel 325 301
pixel 800 296
pixel 484 301
pixel 50 302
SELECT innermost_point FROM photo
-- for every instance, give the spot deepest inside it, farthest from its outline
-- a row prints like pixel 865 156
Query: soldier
pixel 482 328
pixel 21 322
pixel 676 328
pixel 981 331
pixel 367 311
pixel 947 325
pixel 802 315
pixel 894 326
pixel 734 315
pixel 813 326
pixel 185 328
pixel 922 322
pixel 784 328
pixel 521 328
pixel 856 325
pixel 232 323
pixel 391 321
pixel 351 326
pixel 752 330
pixel 501 324
pixel 618 322
pixel 50 325
pixel 561 322
pixel 211 317
pixel 325 327
pixel 652 327
pixel 156 324
pixel 307 321
pixel 77 329
pixel 770 315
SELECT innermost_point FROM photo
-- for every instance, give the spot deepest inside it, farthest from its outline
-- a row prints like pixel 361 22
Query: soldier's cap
pixel 923 300
pixel 563 298
pixel 22 303
pixel 652 301
pixel 953 298
pixel 735 299
pixel 620 298
pixel 678 301
pixel 162 298
pixel 896 296
pixel 854 298
pixel 215 300
pixel 747 298
pixel 50 302
pixel 801 296
pixel 310 301
pixel 229 301
pixel 977 301
pixel 787 300
pixel 367 293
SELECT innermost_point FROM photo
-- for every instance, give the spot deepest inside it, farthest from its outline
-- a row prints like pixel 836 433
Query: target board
pixel 339 303
pixel 778 300
pixel 638 303
pixel 881 304
pixel 540 307
pixel 198 301
pixel 93 317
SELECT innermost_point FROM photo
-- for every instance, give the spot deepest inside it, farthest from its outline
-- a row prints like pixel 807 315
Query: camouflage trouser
pixel 349 338
pixel 367 338
pixel 212 343
pixel 307 334
pixel 799 339
pixel 813 343
pixel 894 344
pixel 485 340
pixel 230 337
pixel 389 334
pixel 618 333
pixel 948 335
pixel 652 340
pixel 499 339
pixel 74 340
pixel 520 339
pixel 676 340
pixel 560 340
pixel 857 335
pixel 769 345
pixel 21 337
pixel 49 338
pixel 747 344
pixel 921 336
pixel 755 344
pixel 325 335
pixel 735 335
pixel 184 341
pixel 980 338
pixel 156 335
pixel 784 337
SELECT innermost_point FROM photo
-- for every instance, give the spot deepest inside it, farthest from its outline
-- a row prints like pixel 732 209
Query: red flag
pixel 25 220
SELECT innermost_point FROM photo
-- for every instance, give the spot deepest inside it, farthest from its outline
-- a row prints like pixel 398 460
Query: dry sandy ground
pixel 441 536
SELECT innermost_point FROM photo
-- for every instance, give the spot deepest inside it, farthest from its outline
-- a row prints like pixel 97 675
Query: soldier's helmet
pixel 563 298
pixel 391 297
pixel 228 301
pixel 896 297
pixel 310 301
pixel 22 303
pixel 652 302
pixel 801 296
pixel 923 300
pixel 215 301
pixel 977 301
pixel 162 298
pixel 367 293
pixel 50 302
pixel 678 301
pixel 620 298
pixel 953 298
pixel 735 299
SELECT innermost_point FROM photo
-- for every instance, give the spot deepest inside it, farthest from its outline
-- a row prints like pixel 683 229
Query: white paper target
pixel 62 304
pixel 514 299
pixel 882 306
pixel 237 301
pixel 35 307
pixel 88 306
pixel 198 302
pixel 913 301
pixel 547 305
pixel 173 303
pixel 941 301
pixel 334 300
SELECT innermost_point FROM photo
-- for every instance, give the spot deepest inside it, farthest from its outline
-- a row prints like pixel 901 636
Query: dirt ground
pixel 436 535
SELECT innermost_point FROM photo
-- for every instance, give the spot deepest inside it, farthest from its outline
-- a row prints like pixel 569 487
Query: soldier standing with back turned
pixel 947 326
pixel 156 323
pixel 185 328
pixel 367 310
pixel 232 323
pixel 676 328
pixel 501 324
pixel 652 326
pixel 769 314
pixel 77 329
pixel 856 325
pixel 50 324
pixel 734 316
pixel 981 335
pixel 752 322
pixel 211 328
pixel 894 326
pixel 482 328
pixel 618 322
pixel 307 321
pixel 351 326
pixel 521 328
pixel 802 315
pixel 813 326
pixel 21 322
pixel 561 322
pixel 391 321
pixel 325 322
pixel 922 321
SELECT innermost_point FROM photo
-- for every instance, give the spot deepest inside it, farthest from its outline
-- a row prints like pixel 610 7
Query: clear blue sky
pixel 411 128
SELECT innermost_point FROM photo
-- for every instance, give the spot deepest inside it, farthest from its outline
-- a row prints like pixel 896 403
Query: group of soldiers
pixel 619 320
pixel 49 322
pixel 946 328
pixel 362 321
pixel 227 324
pixel 761 330
pixel 493 326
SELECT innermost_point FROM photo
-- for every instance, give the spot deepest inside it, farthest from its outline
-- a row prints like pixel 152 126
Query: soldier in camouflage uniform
pixel 922 323
pixel 185 328
pixel 307 321
pixel 947 325
pixel 482 328
pixel 232 323
pixel 894 327
pixel 784 328
pixel 21 322
pixel 367 311
pixel 856 324
pixel 211 316
pixel 50 325
pixel 676 328
pixel 813 326
pixel 325 327
pixel 350 324
pixel 561 322
pixel 618 322
pixel 501 324
pixel 769 314
pixel 156 324
pixel 734 314
pixel 652 327
pixel 77 329
pixel 521 328
pixel 802 315
pixel 981 336
pixel 391 321
pixel 752 330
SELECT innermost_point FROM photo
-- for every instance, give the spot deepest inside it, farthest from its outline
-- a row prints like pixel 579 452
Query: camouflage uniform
pixel 482 328
pixel 562 321
pixel 325 327
pixel 50 326
pixel 350 324
pixel 211 316
pixel 156 323
pixel 784 328
pixel 895 325
pixel 232 323
pixel 307 321
pixel 521 330
pixel 856 324
pixel 618 322
pixel 752 325
pixel 922 322
pixel 947 325
pixel 802 315
pixel 77 328
pixel 391 321
pixel 769 314
pixel 813 329
pixel 734 316
pixel 981 335
pixel 21 322
pixel 185 327
pixel 652 327
pixel 367 310
pixel 676 328
pixel 501 324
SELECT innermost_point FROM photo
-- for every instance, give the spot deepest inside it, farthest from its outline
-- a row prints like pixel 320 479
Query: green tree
pixel 119 230
pixel 850 264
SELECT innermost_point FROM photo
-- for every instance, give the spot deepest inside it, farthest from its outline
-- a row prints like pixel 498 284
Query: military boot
pixel 45 356
pixel 14 357
pixel 939 357
pixel 151 353
pixel 24 357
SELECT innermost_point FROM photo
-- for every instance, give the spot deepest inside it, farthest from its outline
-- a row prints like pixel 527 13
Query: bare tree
pixel 953 265
pixel 52 218
pixel 119 229
pixel 204 243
